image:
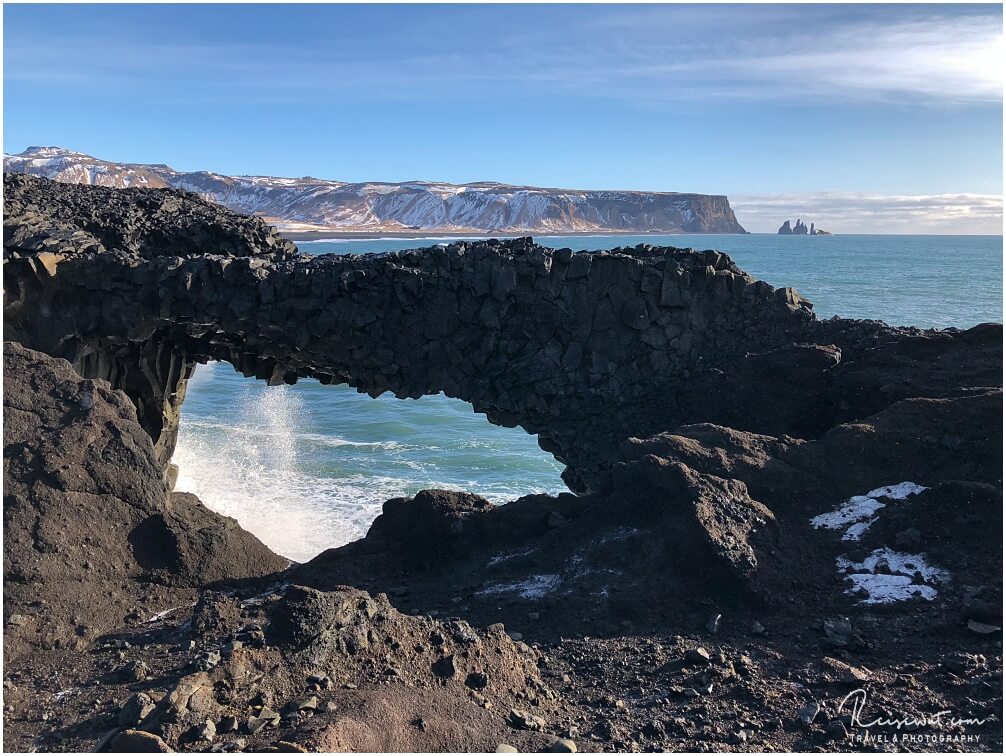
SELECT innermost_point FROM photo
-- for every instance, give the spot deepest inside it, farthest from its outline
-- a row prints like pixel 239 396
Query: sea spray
pixel 248 470
pixel 308 467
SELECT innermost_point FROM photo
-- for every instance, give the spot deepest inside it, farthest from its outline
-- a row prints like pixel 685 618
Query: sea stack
pixel 800 229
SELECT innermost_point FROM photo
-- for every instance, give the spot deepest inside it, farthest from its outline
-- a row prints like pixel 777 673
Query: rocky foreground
pixel 775 513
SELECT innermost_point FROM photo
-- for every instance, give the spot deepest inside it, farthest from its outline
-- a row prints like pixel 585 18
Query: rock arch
pixel 137 286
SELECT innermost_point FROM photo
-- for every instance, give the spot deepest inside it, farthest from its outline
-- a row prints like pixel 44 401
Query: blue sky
pixel 829 109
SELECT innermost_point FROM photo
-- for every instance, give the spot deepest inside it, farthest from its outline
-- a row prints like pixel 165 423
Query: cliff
pixel 431 207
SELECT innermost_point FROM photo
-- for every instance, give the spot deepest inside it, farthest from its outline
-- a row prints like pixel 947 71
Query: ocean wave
pixel 261 455
pixel 299 514
pixel 317 438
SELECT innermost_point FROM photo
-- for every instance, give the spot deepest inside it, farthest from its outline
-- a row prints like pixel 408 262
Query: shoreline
pixel 371 235
pixel 343 236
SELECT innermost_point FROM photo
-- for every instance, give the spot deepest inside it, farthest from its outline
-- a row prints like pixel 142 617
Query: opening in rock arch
pixel 307 467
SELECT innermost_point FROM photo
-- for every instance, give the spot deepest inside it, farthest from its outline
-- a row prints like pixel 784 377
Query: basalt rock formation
pixel 739 463
pixel 800 229
pixel 90 530
pixel 137 286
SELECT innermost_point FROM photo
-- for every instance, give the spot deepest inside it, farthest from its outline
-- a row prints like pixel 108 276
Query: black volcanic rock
pixel 800 229
pixel 707 511
pixel 528 335
pixel 87 514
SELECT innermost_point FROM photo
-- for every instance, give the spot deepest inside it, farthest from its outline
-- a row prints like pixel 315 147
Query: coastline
pixel 339 235
pixel 342 236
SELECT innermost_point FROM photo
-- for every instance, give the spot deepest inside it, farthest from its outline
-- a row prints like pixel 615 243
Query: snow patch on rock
pixel 898 491
pixel 507 556
pixel 534 588
pixel 887 576
pixel 857 510
pixel 856 514
pixel 884 576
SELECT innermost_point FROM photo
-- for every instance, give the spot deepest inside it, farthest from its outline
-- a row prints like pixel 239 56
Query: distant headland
pixel 305 207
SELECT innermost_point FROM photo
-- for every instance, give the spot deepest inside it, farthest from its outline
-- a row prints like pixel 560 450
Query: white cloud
pixel 959 59
pixel 643 54
pixel 864 213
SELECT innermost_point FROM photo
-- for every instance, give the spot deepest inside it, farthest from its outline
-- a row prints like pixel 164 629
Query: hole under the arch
pixel 307 467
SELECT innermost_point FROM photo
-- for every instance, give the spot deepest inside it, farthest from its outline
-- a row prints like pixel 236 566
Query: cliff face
pixel 422 205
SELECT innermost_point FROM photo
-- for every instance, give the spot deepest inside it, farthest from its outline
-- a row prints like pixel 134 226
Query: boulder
pixel 87 512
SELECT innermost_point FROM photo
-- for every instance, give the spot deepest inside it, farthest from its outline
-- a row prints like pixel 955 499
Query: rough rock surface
pixel 704 510
pixel 91 536
pixel 780 510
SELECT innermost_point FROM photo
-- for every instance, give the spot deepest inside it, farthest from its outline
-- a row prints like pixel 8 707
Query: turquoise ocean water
pixel 307 467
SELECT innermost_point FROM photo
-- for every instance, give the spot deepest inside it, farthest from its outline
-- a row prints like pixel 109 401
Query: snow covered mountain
pixel 301 204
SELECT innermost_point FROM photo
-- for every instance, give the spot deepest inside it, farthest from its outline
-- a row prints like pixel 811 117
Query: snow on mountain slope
pixel 413 205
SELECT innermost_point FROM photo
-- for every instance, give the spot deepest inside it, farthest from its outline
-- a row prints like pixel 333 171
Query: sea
pixel 307 467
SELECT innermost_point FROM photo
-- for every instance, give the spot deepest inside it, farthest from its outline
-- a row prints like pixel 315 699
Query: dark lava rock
pixel 697 656
pixel 68 473
pixel 424 527
pixel 135 709
pixel 522 720
pixel 809 713
pixel 477 680
pixel 134 671
pixel 444 667
pixel 305 615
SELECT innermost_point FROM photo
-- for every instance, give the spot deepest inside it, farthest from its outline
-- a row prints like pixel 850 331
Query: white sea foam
pixel 252 433
pixel 254 478
pixel 255 454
